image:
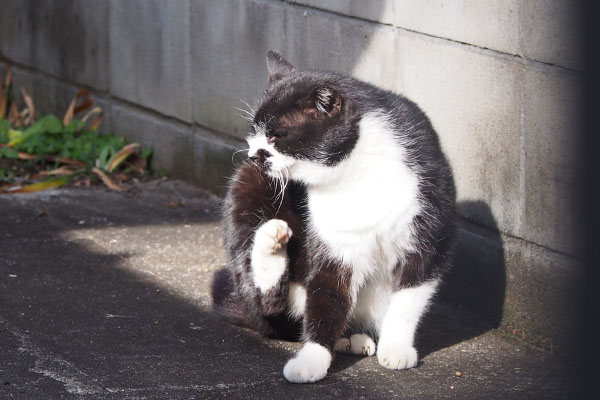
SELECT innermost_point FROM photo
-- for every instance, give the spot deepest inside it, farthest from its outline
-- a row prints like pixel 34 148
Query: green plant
pixel 61 151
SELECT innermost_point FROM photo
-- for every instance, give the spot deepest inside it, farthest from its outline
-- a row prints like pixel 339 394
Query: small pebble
pixel 458 373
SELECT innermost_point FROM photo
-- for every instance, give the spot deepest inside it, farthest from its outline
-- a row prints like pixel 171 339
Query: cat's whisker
pixel 281 184
pixel 244 117
pixel 284 182
pixel 252 109
pixel 236 152
pixel 248 114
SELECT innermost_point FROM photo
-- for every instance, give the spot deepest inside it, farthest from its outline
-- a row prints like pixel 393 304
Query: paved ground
pixel 104 295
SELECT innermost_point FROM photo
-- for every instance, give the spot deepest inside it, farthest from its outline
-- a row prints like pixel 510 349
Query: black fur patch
pixel 327 305
pixel 249 203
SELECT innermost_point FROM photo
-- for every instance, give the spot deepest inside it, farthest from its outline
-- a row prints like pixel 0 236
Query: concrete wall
pixel 500 80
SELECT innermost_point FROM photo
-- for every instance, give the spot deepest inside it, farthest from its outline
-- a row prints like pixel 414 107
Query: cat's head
pixel 305 124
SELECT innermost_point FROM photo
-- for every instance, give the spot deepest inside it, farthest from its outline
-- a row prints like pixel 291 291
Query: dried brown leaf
pixel 64 160
pixel 26 156
pixel 39 186
pixel 8 80
pixel 50 157
pixel 14 116
pixel 64 170
pixel 9 187
pixel 3 101
pixel 3 97
pixel 125 152
pixel 107 181
pixel 75 108
pixel 97 120
pixel 29 105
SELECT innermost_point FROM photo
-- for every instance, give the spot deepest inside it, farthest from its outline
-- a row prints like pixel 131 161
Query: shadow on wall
pixel 476 285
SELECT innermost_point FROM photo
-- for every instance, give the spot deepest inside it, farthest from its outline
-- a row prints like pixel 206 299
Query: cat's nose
pixel 259 157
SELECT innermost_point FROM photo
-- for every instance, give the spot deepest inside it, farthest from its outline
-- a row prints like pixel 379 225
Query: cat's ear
pixel 277 66
pixel 327 101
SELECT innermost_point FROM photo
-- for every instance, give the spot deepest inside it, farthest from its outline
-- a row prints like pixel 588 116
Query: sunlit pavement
pixel 105 295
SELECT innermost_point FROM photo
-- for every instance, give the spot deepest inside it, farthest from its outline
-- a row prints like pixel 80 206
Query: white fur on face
pixel 278 162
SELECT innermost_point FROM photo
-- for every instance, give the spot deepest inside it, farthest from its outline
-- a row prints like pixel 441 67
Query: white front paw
pixel 397 356
pixel 309 365
pixel 272 236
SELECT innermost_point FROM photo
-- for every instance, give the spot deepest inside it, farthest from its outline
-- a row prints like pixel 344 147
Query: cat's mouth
pixel 271 161
pixel 260 158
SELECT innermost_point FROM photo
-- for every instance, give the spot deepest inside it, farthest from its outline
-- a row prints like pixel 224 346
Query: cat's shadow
pixel 470 300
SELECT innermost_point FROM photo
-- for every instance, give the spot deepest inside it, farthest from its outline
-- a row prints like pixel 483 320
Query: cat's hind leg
pixel 359 344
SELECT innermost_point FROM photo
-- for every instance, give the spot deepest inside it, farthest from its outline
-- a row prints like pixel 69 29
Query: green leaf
pixel 49 122
pixel 8 153
pixel 4 128
pixel 74 126
pixel 103 157
pixel 54 125
pixel 146 152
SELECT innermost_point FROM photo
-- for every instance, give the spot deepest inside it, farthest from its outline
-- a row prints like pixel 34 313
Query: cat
pixel 340 225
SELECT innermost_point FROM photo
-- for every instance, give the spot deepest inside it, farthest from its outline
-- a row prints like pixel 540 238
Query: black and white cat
pixel 340 226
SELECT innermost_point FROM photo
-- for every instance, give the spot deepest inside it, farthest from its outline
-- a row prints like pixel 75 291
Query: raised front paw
pixel 309 365
pixel 272 236
pixel 397 356
pixel 268 256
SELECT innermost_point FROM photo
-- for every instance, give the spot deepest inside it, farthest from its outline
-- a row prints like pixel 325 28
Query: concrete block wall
pixel 500 80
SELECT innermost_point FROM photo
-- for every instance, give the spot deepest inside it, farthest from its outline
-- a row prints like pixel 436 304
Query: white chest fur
pixel 365 210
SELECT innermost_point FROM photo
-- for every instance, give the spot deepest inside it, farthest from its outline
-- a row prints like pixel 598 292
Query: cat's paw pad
pixel 362 344
pixel 358 344
pixel 397 356
pixel 273 235
pixel 343 345
pixel 309 365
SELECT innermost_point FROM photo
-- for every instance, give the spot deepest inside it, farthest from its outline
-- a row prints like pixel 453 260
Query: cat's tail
pixel 226 301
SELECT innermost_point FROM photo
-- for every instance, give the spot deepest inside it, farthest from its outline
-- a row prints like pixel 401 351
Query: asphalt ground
pixel 105 295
